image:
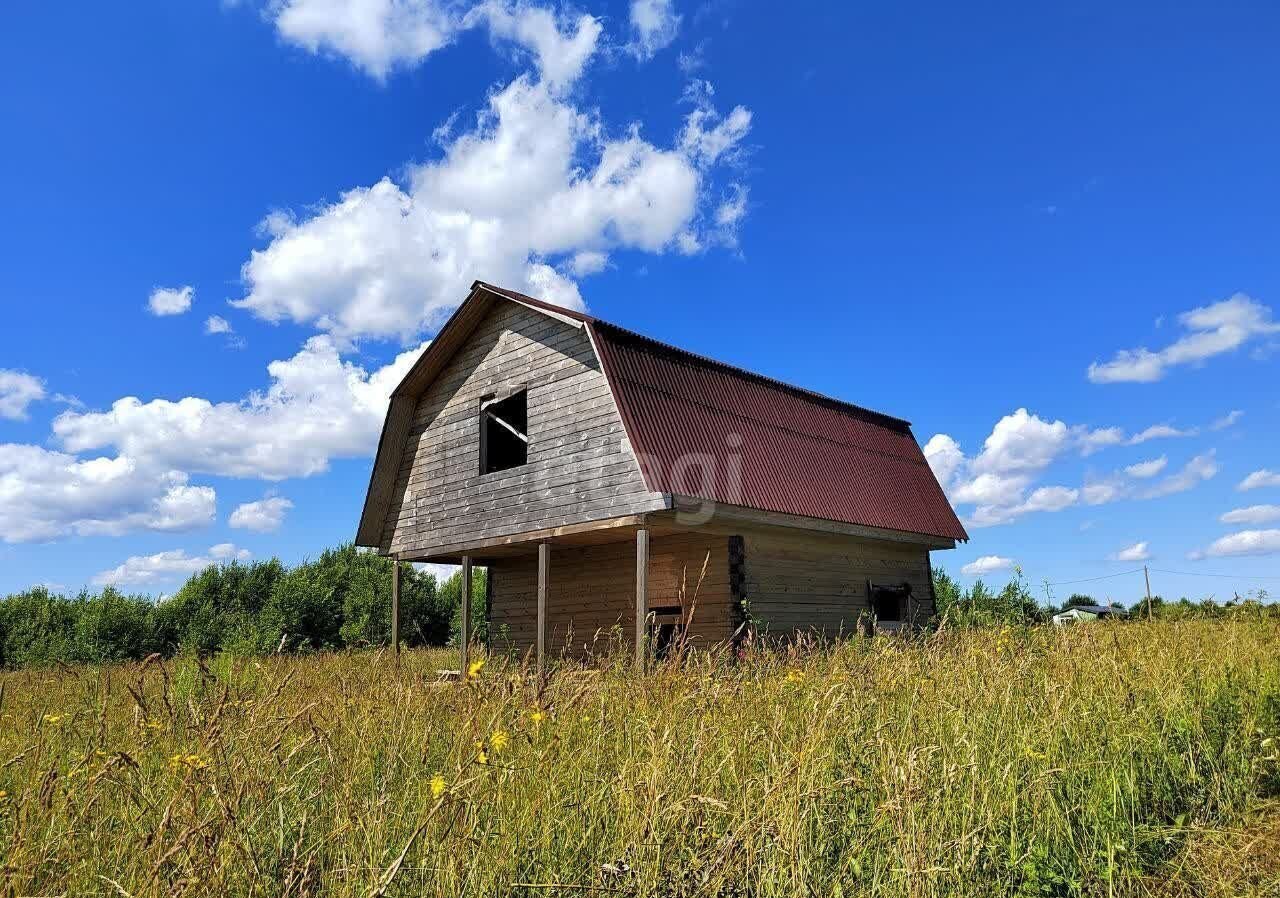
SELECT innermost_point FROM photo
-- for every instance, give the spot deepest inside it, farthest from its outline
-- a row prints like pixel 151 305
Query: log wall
pixel 579 468
pixel 592 592
pixel 807 582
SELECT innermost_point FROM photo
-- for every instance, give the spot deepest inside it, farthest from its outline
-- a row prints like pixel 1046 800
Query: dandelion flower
pixel 474 668
pixel 52 718
pixel 499 740
pixel 482 754
pixel 538 716
pixel 438 786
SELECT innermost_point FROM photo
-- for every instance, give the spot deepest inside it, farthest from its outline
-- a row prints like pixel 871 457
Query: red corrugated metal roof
pixel 709 430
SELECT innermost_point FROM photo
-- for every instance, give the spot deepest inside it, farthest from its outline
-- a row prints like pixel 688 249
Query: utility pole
pixel 1147 576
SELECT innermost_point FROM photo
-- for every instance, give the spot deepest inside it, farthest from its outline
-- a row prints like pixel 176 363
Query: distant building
pixel 1080 613
pixel 599 475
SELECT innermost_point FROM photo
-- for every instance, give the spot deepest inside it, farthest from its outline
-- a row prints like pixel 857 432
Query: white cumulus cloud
pixel 1145 469
pixel 1212 330
pixel 380 37
pixel 1160 432
pixel 17 391
pixel 216 324
pixel 264 516
pixel 1253 514
pixel 561 47
pixel 654 24
pixel 533 186
pixel 1199 469
pixel 1227 420
pixel 1000 480
pixel 1137 552
pixel 945 458
pixel 1045 498
pixel 987 564
pixel 45 495
pixel 170 300
pixel 1021 442
pixel 1246 542
pixel 377 36
pixel 166 567
pixel 1258 480
pixel 318 407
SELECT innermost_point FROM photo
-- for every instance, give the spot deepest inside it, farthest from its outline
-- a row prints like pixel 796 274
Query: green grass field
pixel 1133 759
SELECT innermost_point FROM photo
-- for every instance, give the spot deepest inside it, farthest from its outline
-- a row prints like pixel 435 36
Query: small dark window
pixel 504 433
pixel 666 629
pixel 888 603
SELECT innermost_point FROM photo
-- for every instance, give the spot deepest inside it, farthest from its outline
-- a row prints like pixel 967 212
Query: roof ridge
pixel 697 357
pixel 754 375
pixel 806 434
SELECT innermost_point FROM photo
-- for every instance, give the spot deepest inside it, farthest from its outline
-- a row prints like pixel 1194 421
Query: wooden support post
pixel 642 596
pixel 1147 576
pixel 464 627
pixel 395 607
pixel 544 564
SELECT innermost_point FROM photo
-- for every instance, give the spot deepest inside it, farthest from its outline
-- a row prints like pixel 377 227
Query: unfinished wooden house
pixel 612 483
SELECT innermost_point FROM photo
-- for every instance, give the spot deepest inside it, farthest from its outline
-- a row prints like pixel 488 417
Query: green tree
pixel 113 627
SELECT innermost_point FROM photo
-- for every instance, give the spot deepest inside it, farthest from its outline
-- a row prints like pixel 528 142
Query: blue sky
pixel 998 223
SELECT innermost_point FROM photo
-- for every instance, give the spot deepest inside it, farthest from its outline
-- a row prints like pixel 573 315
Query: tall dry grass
pixel 968 763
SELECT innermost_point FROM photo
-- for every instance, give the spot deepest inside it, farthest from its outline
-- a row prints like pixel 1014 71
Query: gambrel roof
pixel 772 447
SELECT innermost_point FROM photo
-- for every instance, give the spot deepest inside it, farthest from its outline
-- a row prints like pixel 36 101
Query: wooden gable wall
pixel 579 469
pixel 809 582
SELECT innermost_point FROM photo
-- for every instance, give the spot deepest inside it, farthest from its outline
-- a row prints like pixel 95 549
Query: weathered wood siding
pixel 592 590
pixel 817 583
pixel 579 469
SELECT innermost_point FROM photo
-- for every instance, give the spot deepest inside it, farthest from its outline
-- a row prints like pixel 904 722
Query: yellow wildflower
pixel 188 762
pixel 538 716
pixel 474 668
pixel 438 786
pixel 52 718
pixel 499 740
pixel 795 676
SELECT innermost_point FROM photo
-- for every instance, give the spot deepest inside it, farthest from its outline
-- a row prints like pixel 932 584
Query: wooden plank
pixel 642 596
pixel 436 553
pixel 544 563
pixel 732 516
pixel 464 627
pixel 395 608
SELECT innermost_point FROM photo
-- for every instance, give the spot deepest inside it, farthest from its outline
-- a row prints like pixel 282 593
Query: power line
pixel 1136 570
pixel 1162 571
pixel 1218 576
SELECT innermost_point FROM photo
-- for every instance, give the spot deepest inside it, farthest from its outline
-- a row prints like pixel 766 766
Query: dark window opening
pixel 504 433
pixel 889 603
pixel 666 630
